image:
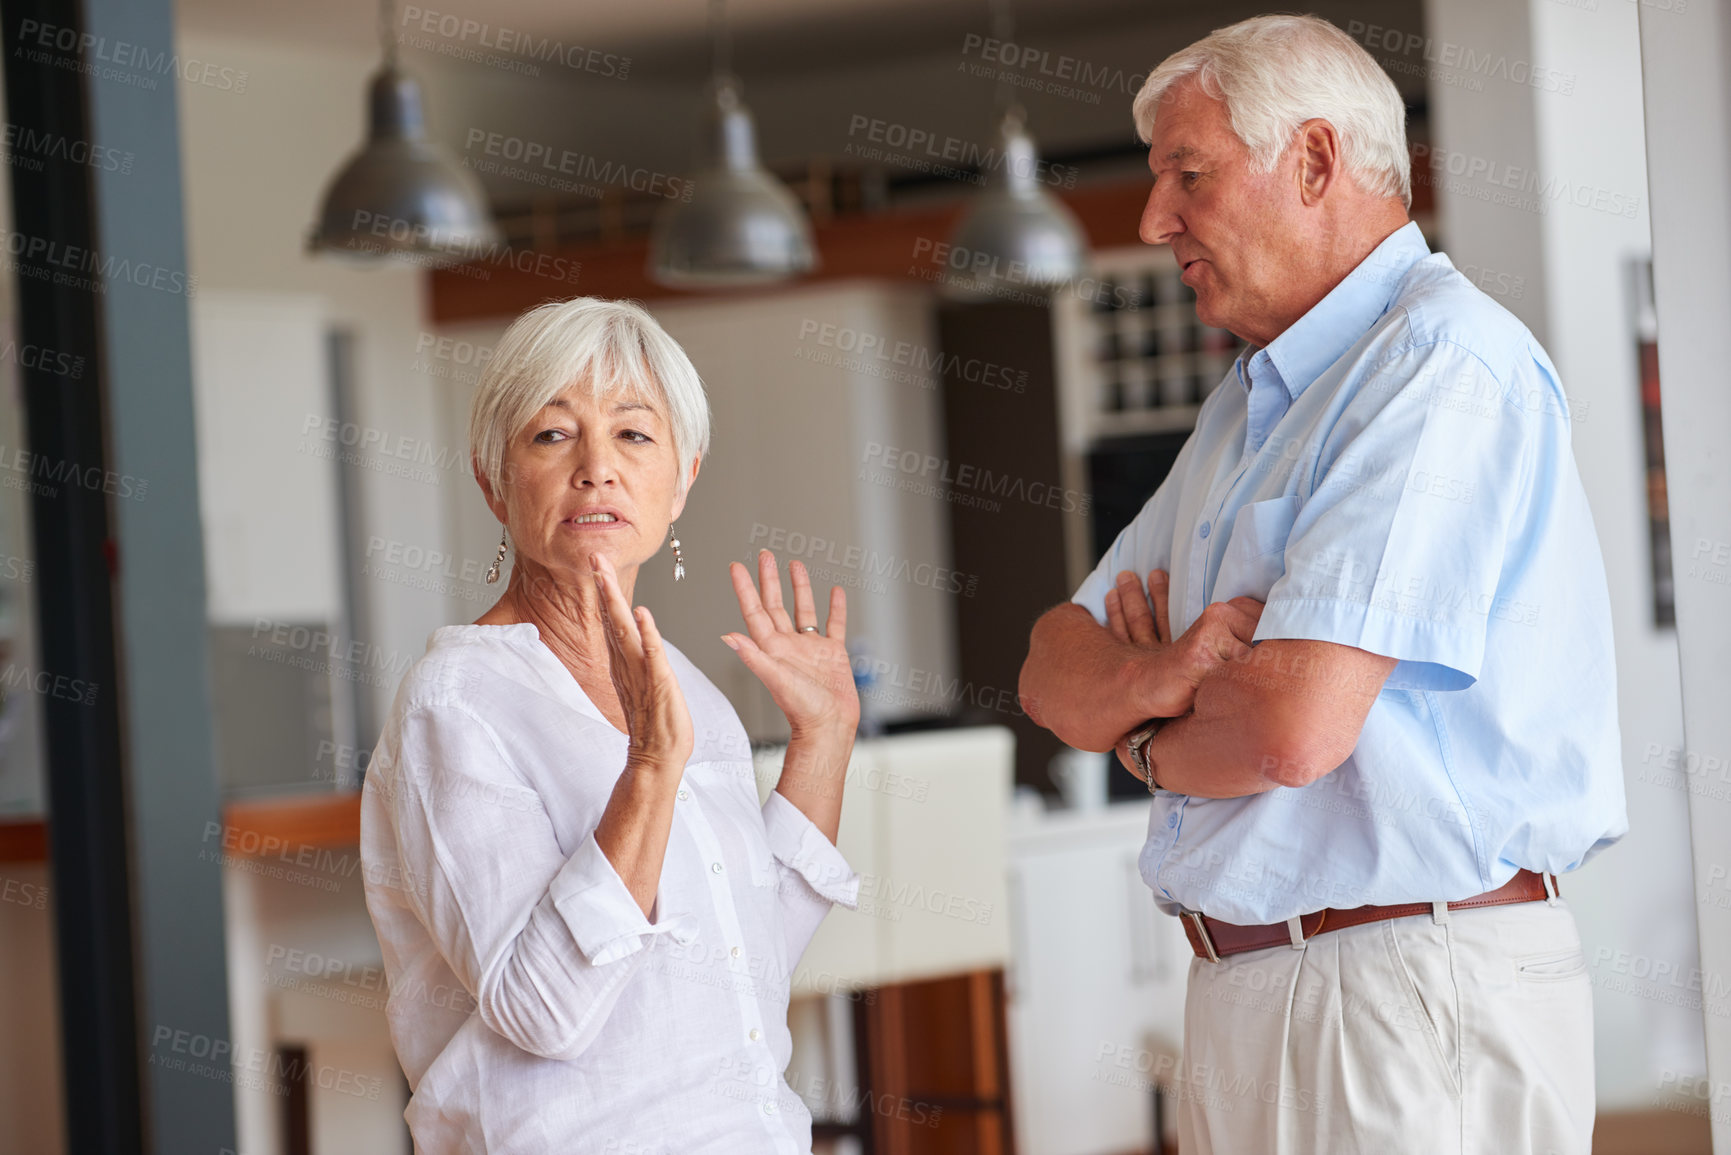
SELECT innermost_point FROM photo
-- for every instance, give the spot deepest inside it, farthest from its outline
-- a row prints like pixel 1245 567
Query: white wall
pixel 1633 902
pixel 789 436
pixel 1686 49
pixel 255 166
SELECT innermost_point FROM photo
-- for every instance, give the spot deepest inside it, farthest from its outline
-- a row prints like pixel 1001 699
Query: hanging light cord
pixel 722 46
pixel 388 34
pixel 1003 30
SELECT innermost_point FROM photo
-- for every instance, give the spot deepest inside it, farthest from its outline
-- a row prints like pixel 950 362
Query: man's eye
pixel 1192 177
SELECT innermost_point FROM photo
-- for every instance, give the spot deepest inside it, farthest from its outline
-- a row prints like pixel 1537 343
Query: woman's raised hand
pixel 656 716
pixel 802 664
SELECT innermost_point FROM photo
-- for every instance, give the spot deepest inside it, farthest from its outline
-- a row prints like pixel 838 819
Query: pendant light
pixel 401 197
pixel 1016 237
pixel 741 226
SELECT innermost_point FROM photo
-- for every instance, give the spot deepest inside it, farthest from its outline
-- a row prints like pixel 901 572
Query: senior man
pixel 1369 681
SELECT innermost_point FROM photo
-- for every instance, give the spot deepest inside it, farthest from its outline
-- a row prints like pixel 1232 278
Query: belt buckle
pixel 1194 917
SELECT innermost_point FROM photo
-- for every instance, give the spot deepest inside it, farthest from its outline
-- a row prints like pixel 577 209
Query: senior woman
pixel 588 921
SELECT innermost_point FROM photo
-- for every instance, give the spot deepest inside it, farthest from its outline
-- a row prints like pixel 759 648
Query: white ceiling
pixel 672 35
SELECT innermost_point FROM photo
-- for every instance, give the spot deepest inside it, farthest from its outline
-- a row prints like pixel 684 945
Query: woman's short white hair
pixel 610 347
pixel 1273 73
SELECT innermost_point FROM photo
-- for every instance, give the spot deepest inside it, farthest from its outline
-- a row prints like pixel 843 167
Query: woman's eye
pixel 634 436
pixel 549 436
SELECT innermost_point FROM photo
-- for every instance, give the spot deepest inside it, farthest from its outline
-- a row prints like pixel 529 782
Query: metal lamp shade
pixel 401 196
pixel 741 226
pixel 1016 238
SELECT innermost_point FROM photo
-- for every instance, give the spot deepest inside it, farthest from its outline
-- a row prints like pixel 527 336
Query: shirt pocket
pixel 1255 556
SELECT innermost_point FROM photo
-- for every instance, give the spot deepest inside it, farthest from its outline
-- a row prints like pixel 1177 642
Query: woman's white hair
pixel 609 347
pixel 1273 73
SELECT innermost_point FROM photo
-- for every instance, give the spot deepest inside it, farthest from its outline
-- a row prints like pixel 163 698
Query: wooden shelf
pixel 262 825
pixel 24 840
pixel 880 245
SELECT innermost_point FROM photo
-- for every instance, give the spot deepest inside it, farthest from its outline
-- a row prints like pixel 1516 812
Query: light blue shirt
pixel 1393 472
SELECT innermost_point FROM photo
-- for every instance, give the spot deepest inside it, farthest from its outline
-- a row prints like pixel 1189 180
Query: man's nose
pixel 1159 222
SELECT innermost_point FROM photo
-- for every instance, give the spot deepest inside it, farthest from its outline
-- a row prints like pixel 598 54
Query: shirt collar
pixel 1334 324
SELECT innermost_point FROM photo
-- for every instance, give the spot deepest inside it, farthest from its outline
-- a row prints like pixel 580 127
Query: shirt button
pixel 735 952
pixel 1171 821
pixel 684 794
pixel 769 1108
pixel 715 867
pixel 756 1034
pixel 1204 531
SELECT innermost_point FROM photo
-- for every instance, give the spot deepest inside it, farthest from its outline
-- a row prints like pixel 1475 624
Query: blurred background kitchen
pixel 248 290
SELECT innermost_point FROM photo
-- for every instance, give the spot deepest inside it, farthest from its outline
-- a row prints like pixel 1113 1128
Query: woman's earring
pixel 493 570
pixel 678 558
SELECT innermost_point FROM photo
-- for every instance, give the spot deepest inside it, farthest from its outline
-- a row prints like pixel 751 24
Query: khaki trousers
pixel 1471 1034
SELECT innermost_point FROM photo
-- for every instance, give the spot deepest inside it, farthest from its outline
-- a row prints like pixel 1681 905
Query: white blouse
pixel 532 1005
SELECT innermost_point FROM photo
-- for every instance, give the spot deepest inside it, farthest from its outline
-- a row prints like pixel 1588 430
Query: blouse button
pixel 769 1108
pixel 756 1034
pixel 684 794
pixel 735 952
pixel 715 867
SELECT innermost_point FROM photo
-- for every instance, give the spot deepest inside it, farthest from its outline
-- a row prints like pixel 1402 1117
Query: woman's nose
pixel 596 462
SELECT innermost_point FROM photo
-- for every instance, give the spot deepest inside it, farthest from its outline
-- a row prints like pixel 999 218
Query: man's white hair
pixel 1273 73
pixel 608 347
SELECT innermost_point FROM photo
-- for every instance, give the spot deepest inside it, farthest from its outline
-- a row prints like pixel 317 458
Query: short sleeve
pixel 1145 544
pixel 1403 546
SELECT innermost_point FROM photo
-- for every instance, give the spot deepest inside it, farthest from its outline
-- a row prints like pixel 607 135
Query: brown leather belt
pixel 1213 940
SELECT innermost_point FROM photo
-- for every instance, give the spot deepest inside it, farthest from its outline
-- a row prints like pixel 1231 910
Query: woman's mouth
pixel 599 519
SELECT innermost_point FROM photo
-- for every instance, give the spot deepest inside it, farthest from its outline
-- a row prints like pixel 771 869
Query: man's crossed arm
pixel 1246 718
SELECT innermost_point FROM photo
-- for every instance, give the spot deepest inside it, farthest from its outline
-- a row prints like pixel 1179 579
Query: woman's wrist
pixel 655 764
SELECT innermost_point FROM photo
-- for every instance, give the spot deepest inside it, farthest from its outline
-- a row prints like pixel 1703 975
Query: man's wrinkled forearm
pixel 1082 683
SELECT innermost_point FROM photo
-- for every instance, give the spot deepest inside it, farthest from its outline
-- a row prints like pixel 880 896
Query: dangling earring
pixel 493 570
pixel 678 558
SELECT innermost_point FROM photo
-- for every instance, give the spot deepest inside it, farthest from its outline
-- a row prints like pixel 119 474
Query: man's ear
pixel 1318 160
pixel 685 490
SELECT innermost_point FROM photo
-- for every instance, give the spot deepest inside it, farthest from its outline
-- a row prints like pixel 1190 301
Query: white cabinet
pixel 1096 985
pixel 923 825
